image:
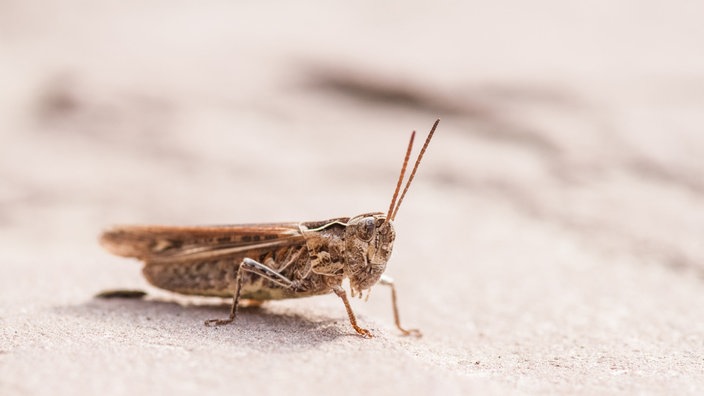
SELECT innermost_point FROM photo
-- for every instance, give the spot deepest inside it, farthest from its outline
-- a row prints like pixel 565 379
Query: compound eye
pixel 366 230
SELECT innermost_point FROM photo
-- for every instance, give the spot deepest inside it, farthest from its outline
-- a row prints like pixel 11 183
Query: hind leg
pixel 254 267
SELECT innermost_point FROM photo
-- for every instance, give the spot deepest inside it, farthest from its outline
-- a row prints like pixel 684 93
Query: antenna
pixel 400 177
pixel 393 213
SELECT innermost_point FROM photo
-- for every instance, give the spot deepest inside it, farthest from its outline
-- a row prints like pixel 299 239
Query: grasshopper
pixel 272 261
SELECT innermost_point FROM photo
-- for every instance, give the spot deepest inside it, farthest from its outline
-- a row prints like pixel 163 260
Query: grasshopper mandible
pixel 271 261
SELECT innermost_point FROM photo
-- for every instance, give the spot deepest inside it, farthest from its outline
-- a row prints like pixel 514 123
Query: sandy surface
pixel 552 241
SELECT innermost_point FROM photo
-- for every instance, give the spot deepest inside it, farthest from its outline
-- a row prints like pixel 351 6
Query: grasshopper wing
pixel 169 244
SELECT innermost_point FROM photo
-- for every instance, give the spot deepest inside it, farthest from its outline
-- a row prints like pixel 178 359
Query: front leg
pixel 388 281
pixel 254 267
pixel 353 321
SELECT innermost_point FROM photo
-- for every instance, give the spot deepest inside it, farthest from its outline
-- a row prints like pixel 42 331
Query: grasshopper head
pixel 369 239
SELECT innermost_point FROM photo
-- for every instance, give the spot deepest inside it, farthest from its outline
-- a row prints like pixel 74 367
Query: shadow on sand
pixel 185 316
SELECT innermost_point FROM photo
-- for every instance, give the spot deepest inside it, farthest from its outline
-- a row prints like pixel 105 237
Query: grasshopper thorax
pixel 369 239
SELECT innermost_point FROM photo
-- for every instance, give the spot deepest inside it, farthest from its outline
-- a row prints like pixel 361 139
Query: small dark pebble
pixel 121 294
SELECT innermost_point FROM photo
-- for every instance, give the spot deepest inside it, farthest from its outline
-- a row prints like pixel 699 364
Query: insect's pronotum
pixel 271 261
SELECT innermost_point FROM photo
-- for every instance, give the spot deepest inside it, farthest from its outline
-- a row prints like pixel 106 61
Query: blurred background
pixel 551 242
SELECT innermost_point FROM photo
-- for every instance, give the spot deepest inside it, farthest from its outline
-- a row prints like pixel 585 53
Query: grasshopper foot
pixel 411 332
pixel 218 322
pixel 363 332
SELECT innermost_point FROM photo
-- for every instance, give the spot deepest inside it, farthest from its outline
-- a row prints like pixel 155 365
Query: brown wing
pixel 169 244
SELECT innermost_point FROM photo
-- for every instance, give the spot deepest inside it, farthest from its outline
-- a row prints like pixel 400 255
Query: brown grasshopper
pixel 271 261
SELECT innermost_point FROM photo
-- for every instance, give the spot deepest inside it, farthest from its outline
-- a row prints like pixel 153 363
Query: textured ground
pixel 552 241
